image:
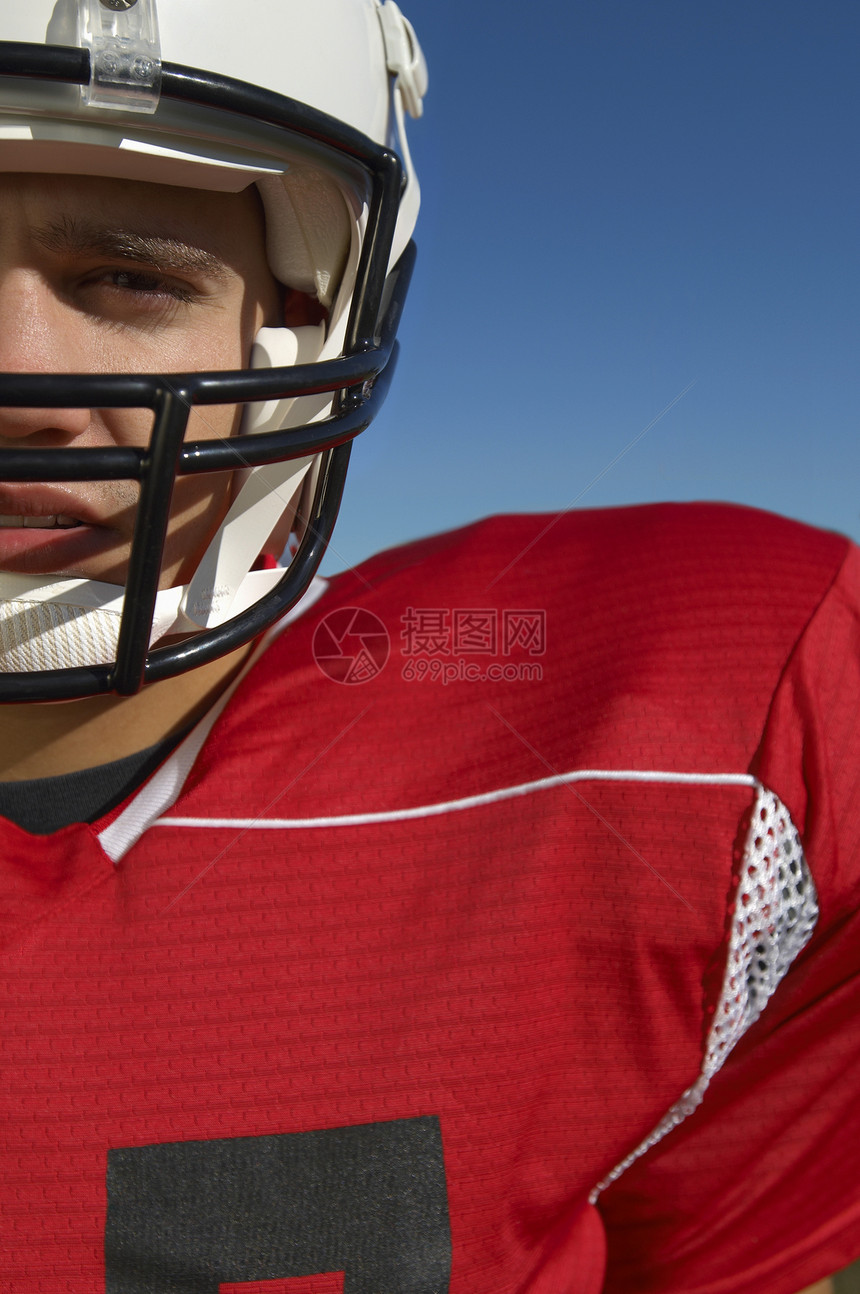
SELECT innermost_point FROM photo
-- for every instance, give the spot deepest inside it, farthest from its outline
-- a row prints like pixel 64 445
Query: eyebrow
pixel 82 237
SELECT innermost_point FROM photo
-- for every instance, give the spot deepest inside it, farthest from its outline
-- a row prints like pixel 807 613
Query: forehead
pixel 228 226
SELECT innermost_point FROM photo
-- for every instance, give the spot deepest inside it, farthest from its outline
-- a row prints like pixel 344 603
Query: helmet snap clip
pixel 125 54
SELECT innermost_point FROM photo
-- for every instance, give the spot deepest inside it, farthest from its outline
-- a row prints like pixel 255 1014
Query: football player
pixel 484 919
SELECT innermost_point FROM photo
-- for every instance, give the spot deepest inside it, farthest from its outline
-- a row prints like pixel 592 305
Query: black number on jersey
pixel 369 1201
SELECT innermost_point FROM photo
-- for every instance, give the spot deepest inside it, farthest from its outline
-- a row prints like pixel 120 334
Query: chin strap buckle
pixel 404 57
pixel 125 54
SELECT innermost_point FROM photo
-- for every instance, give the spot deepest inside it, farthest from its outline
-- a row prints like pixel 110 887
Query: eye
pixel 147 283
pixel 137 296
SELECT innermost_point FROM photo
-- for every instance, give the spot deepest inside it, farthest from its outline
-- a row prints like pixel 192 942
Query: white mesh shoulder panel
pixel 775 914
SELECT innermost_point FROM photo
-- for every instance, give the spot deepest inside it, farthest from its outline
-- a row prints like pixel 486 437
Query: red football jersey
pixel 499 933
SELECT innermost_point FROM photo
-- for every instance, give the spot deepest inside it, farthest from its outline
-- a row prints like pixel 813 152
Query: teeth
pixel 60 522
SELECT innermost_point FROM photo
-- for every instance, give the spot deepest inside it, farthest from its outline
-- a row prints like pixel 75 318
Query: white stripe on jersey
pixel 467 802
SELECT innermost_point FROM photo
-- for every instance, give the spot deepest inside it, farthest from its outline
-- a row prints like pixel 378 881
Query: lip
pixel 23 499
pixel 89 549
pixel 71 553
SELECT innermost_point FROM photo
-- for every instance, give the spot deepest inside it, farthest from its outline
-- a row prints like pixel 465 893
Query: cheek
pixel 199 505
pixel 199 502
pixel 132 427
pixel 213 422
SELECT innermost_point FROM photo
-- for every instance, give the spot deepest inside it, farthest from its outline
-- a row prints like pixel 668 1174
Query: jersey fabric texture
pixel 497 933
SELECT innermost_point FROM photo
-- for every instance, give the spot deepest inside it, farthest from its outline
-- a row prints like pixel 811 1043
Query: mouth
pixel 37 538
pixel 10 521
pixel 41 506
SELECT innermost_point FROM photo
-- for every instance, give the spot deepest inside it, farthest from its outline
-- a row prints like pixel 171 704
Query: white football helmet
pixel 306 100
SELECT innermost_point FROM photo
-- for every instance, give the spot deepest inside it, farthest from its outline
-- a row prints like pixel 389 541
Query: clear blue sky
pixel 637 214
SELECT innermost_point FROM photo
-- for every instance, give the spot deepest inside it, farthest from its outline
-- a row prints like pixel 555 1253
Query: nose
pixel 39 333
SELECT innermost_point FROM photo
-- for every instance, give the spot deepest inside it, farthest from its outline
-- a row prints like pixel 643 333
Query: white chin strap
pixel 59 623
pixel 65 623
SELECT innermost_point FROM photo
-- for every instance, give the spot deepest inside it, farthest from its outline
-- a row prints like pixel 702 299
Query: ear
pixel 301 310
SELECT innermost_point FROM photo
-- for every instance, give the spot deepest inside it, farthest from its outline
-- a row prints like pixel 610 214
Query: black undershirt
pixel 47 804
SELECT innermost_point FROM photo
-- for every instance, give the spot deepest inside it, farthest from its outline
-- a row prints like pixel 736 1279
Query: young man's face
pixel 108 276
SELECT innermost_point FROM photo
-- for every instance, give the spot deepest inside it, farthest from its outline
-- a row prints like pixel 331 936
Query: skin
pixel 98 276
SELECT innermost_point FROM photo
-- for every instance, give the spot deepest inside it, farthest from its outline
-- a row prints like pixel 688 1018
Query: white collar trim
pixel 161 791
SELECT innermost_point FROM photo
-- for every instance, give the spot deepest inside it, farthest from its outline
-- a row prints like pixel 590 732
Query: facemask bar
pixel 358 381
